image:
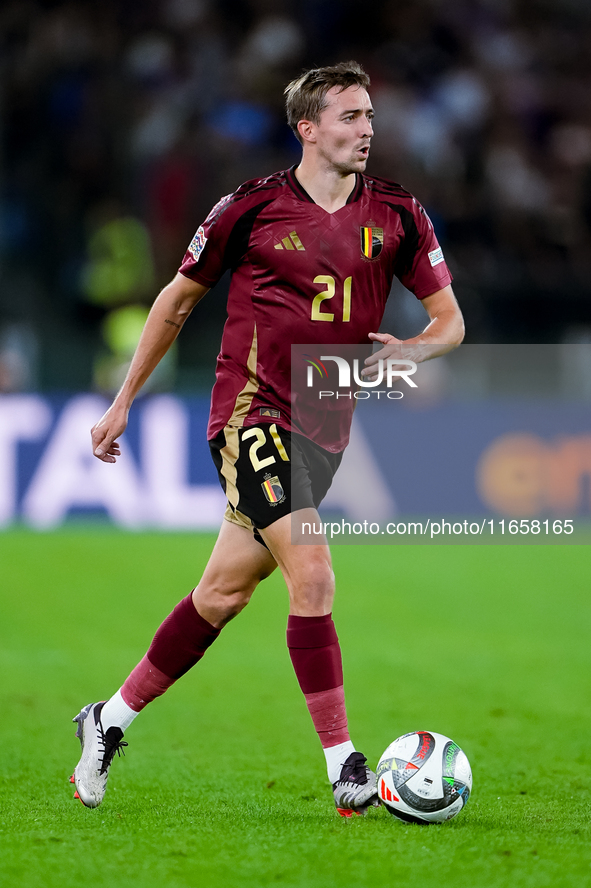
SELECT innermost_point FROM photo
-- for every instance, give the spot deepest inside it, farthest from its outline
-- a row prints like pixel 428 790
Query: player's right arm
pixel 165 321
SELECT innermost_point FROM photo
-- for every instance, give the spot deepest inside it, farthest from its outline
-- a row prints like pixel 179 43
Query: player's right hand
pixel 105 433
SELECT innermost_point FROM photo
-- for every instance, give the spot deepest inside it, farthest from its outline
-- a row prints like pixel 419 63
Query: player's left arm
pixel 443 333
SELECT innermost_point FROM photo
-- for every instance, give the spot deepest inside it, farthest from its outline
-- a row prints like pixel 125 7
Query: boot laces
pixel 112 743
pixel 354 770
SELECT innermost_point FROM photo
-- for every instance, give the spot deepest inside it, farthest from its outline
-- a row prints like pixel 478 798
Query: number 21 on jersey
pixel 331 287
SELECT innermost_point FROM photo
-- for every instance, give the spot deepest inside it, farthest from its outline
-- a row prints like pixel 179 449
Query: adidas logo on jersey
pixel 291 242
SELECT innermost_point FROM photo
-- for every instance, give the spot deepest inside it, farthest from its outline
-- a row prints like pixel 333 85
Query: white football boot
pixel 98 749
pixel 356 790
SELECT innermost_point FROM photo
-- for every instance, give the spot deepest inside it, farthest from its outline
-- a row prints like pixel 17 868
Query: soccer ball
pixel 424 777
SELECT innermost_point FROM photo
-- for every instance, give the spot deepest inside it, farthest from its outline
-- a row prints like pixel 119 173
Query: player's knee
pixel 223 600
pixel 230 607
pixel 231 600
pixel 313 585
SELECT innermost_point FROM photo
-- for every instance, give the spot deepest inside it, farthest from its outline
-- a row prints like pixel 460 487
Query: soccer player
pixel 313 251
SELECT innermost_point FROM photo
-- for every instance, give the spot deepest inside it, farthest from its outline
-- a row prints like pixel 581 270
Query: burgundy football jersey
pixel 303 275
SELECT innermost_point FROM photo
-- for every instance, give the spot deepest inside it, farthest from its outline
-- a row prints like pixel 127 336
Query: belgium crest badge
pixel 273 490
pixel 372 240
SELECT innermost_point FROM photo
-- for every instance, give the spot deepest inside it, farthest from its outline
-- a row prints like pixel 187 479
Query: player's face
pixel 344 132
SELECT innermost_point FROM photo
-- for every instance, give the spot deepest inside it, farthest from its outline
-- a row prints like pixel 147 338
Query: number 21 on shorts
pixel 258 433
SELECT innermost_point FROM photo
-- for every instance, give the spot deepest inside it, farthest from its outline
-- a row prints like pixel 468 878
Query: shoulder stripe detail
pixel 375 182
pixel 237 243
pixel 277 180
pixel 258 189
pixel 391 192
pixel 247 189
pixel 408 250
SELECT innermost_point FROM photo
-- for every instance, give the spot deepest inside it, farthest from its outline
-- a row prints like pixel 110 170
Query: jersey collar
pixel 301 193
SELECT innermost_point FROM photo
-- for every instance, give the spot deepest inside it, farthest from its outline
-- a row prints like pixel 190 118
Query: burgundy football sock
pixel 179 643
pixel 316 656
pixel 144 684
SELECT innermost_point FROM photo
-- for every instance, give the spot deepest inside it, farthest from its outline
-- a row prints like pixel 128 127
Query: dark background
pixel 122 122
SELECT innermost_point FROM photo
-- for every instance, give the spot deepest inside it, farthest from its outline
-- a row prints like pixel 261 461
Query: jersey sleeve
pixel 421 266
pixel 207 256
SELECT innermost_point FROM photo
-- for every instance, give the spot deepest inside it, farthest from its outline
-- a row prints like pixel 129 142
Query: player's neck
pixel 327 188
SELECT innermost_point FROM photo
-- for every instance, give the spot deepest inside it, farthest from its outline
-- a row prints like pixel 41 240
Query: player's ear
pixel 307 131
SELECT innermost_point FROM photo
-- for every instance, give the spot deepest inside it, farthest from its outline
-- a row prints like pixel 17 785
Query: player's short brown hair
pixel 305 97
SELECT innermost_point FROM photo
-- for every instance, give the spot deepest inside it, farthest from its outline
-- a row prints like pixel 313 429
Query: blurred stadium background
pixel 122 123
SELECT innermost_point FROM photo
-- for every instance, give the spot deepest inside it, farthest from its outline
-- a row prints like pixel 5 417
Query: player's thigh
pixel 237 563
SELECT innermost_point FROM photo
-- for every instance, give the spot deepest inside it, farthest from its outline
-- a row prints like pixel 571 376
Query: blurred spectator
pixel 121 331
pixel 18 358
pixel 119 268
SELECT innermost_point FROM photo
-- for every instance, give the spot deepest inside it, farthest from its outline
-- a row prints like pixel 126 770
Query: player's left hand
pixel 385 339
pixel 395 349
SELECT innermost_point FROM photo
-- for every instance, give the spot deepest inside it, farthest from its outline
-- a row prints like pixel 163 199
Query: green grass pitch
pixel 224 782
